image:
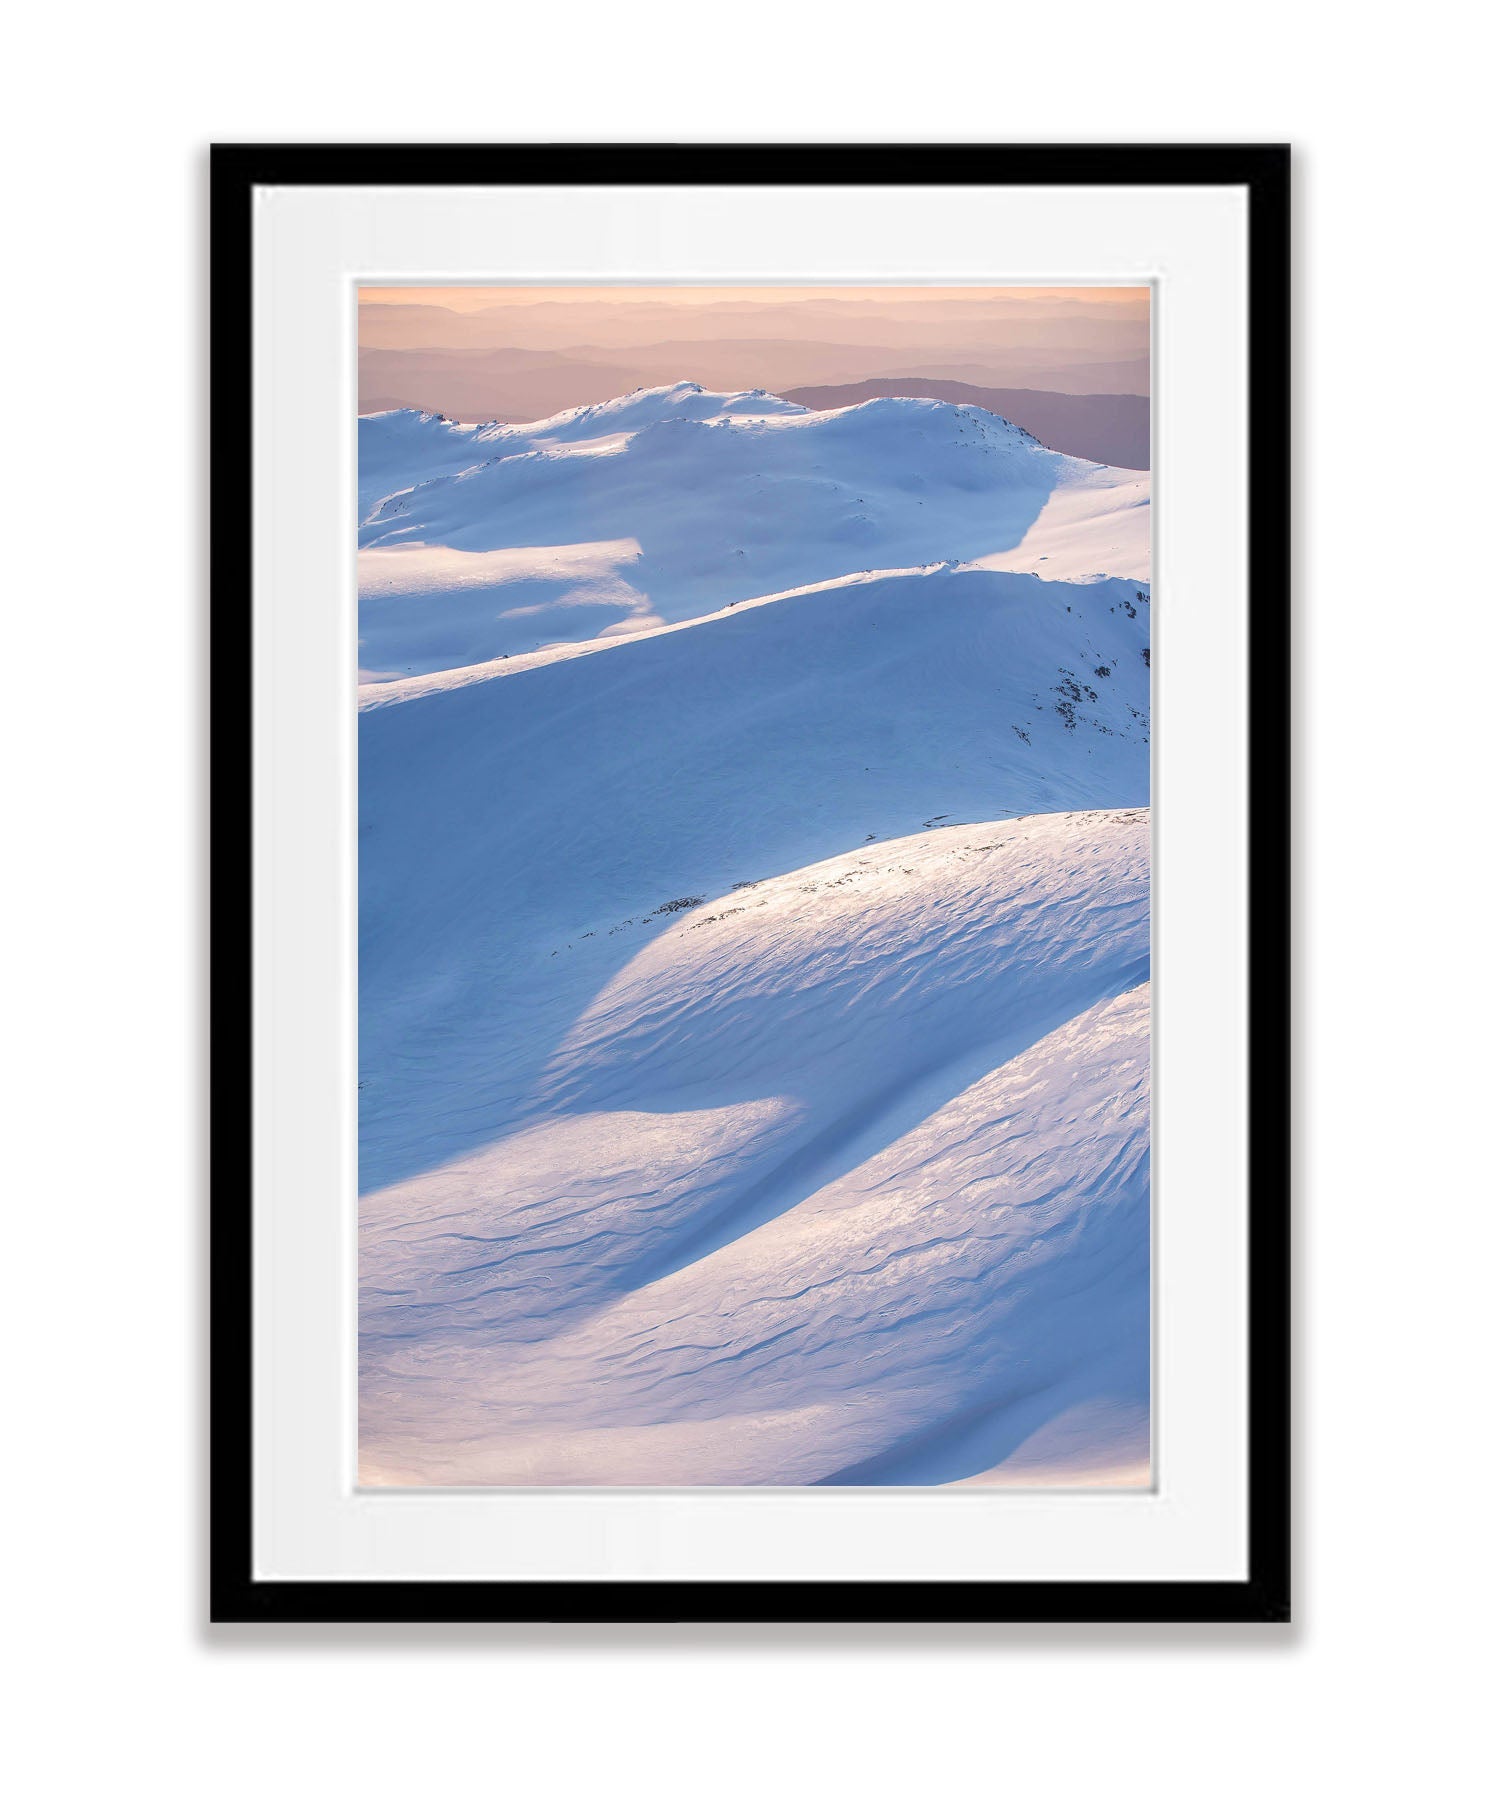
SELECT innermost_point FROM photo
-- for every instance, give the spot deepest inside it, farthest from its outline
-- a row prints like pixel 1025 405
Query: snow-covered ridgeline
pixel 480 542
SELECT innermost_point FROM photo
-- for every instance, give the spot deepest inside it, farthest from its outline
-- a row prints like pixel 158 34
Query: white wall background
pixel 1378 1690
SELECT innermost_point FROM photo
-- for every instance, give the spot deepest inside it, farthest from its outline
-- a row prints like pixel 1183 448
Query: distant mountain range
pixel 1106 428
pixel 514 383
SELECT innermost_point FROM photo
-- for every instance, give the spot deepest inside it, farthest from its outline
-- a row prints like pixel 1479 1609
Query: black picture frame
pixel 235 1593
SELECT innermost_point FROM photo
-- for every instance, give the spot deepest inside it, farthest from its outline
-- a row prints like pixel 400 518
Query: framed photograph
pixel 750 768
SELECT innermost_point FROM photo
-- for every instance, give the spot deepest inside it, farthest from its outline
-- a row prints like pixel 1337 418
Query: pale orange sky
pixel 474 299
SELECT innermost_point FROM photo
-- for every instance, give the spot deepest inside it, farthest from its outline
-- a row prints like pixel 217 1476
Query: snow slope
pixel 487 541
pixel 753 1007
pixel 515 830
pixel 915 1303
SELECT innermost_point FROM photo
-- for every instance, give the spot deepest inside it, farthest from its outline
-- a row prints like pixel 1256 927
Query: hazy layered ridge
pixel 522 357
pixel 710 979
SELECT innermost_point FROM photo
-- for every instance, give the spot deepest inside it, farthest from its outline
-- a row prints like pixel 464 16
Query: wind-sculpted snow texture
pixel 754 979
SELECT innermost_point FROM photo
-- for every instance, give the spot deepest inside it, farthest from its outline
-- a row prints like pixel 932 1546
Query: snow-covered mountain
pixel 754 897
pixel 487 541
